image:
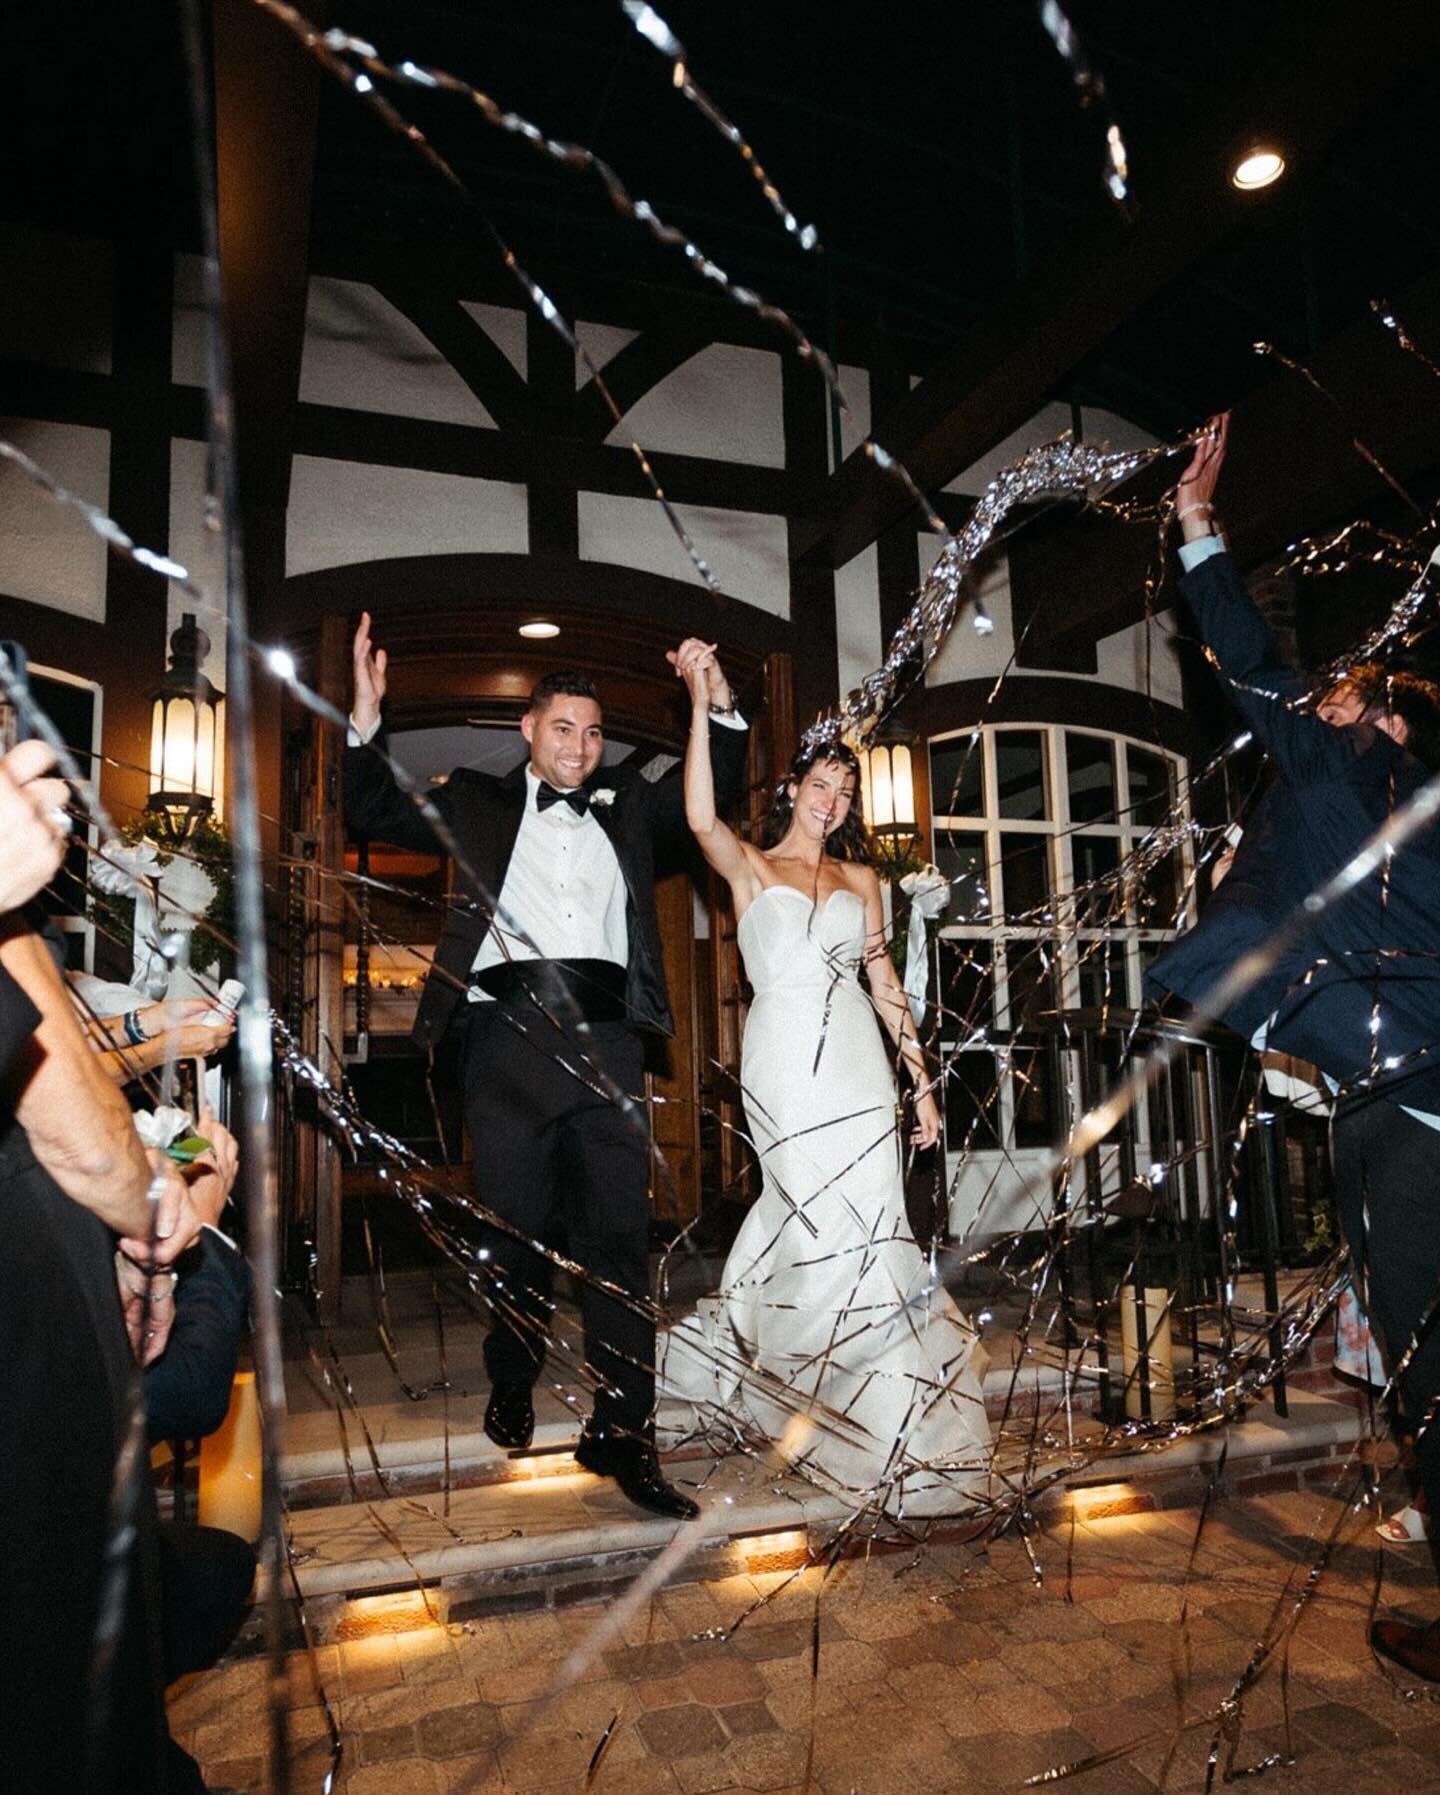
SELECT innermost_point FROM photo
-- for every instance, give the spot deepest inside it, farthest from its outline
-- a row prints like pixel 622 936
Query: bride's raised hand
pixel 693 661
pixel 926 1131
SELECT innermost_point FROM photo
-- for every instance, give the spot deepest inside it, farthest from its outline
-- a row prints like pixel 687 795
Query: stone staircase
pixel 454 1521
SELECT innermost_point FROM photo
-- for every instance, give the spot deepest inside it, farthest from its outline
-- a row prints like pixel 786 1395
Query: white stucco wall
pixel 200 552
pixel 506 326
pixel 48 554
pixel 745 550
pixel 723 402
pixel 859 639
pixel 601 343
pixel 342 512
pixel 1099 427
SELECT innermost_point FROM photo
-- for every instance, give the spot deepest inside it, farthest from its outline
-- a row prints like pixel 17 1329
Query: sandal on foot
pixel 1406 1527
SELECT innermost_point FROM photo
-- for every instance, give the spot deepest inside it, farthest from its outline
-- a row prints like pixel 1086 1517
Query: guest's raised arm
pixel 78 1125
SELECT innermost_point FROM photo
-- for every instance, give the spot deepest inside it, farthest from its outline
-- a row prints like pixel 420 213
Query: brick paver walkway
pixel 951 1673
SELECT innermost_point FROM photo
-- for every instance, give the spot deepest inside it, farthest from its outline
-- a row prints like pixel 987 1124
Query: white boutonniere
pixel 605 796
pixel 160 1127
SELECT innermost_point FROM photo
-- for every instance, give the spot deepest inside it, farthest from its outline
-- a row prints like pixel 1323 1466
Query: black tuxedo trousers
pixel 1387 1167
pixel 553 1152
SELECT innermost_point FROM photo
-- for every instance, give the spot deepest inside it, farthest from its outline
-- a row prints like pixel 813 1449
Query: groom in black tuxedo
pixel 554 991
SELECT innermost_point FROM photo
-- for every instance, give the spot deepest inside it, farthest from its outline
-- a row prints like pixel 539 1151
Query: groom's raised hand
pixel 369 680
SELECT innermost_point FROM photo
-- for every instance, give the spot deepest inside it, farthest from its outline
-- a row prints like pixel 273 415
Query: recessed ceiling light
pixel 1260 166
pixel 539 631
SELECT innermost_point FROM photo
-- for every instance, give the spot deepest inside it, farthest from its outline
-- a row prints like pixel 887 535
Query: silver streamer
pixel 326 48
pixel 655 31
pixel 1386 314
pixel 1062 467
pixel 257 1164
pixel 1090 85
pixel 331 49
pixel 1031 1454
pixel 1361 448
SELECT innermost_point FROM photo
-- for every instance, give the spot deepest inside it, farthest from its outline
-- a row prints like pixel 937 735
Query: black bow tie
pixel 578 799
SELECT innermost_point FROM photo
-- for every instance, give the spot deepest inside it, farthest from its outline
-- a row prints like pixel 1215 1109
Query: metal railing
pixel 1185 1193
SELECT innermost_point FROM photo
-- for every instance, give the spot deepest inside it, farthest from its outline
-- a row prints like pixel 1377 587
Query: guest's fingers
pixel 28 760
pixel 51 798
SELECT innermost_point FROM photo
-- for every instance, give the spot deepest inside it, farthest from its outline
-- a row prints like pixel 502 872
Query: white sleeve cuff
pixel 219 1234
pixel 735 722
pixel 353 737
pixel 1201 549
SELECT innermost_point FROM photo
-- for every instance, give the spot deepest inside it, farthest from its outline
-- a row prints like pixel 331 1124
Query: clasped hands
pixel 694 662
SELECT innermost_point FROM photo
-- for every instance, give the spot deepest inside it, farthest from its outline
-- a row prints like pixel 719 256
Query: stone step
pixel 550 1533
pixel 424 1445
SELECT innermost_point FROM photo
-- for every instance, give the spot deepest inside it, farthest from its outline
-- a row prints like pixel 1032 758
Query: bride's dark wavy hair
pixel 851 841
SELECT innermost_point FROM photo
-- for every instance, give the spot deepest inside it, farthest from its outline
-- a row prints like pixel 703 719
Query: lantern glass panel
pixel 178 772
pixel 882 791
pixel 219 791
pixel 902 787
pixel 205 750
pixel 157 745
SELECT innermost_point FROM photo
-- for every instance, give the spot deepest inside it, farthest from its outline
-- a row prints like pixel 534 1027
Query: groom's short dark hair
pixel 562 685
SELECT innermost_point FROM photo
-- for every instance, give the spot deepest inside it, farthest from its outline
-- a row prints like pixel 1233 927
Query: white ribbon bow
pixel 132 869
pixel 929 895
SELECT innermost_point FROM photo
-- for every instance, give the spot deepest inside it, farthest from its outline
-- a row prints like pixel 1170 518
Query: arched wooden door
pixel 452 665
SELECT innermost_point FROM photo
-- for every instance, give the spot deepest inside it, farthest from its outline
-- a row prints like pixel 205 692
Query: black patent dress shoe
pixel 510 1415
pixel 634 1466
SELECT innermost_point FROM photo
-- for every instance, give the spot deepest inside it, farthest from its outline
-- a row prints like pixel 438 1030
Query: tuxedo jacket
pixel 1380 945
pixel 484 814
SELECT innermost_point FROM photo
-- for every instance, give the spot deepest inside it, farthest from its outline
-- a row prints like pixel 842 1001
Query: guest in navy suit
pixel 560 984
pixel 1357 993
pixel 205 1572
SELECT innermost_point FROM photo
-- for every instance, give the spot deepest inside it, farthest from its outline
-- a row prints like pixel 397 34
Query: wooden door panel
pixel 674 1093
pixel 773 741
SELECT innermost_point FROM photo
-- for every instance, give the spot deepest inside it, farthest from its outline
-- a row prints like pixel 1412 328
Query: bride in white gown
pixel 829 1334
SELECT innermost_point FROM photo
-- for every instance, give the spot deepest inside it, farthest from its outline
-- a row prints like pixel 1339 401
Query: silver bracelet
pixel 723 710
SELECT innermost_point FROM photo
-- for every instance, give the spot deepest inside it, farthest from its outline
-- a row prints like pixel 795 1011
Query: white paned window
pixel 1065 885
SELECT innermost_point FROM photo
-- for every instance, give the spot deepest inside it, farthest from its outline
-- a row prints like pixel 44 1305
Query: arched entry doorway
pixel 459 664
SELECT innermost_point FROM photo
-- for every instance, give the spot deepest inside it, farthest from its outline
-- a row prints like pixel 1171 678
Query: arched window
pixel 1065 885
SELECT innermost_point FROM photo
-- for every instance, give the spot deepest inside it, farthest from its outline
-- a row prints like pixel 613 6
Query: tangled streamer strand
pixel 655 31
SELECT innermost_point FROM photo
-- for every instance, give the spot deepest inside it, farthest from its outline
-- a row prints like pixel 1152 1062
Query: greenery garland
pixel 209 846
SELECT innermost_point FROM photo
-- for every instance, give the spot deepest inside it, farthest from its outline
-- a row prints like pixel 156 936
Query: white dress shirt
pixel 564 897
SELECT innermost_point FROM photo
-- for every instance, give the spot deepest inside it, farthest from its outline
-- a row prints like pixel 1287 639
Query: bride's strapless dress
pixel 829 1334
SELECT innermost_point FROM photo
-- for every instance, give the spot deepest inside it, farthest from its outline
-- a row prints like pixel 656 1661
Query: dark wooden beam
pixel 139 490
pixel 812 589
pixel 552 495
pixel 266 103
pixel 1310 74
pixel 382 439
pixel 479 361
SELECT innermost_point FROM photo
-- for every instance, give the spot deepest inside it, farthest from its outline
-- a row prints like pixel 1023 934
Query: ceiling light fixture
pixel 539 631
pixel 1261 165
